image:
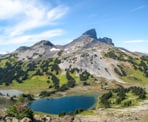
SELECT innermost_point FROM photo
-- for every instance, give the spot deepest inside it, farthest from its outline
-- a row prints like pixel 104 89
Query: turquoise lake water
pixel 63 104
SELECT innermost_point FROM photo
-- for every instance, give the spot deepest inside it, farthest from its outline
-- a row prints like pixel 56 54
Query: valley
pixel 87 65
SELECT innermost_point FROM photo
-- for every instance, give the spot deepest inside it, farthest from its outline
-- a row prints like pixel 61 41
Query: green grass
pixel 87 112
pixel 5 102
pixel 135 76
pixel 63 79
pixel 113 101
pixel 130 100
pixel 45 114
pixel 36 84
pixel 146 87
pixel 131 97
pixel 33 85
pixel 77 78
pixel 31 73
pixel 3 63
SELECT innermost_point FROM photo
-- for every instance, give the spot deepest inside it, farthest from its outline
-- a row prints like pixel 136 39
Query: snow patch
pixel 122 50
pixel 54 49
pixel 11 92
pixel 66 49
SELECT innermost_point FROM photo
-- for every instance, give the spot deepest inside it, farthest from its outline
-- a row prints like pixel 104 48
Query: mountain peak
pixel 106 40
pixel 91 32
pixel 44 43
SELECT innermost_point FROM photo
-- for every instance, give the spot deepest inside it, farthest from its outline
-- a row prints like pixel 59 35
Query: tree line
pixel 121 95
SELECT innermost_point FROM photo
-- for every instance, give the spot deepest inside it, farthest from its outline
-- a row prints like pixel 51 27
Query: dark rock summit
pixel 45 48
pixel 44 43
pixel 22 48
pixel 92 33
pixel 39 50
pixel 106 40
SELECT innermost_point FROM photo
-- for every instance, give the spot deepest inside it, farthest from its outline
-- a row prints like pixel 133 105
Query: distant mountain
pixel 141 54
pixel 45 48
pixel 39 50
pixel 92 33
pixel 88 40
pixel 85 59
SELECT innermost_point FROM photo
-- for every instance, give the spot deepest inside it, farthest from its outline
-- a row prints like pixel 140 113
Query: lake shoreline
pixel 66 104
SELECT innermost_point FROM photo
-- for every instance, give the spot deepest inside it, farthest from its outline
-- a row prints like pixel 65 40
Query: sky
pixel 25 22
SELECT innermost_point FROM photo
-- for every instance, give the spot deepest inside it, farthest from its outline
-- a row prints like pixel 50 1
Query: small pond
pixel 63 104
pixel 11 92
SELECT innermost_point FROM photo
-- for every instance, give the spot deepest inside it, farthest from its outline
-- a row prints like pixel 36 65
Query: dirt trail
pixel 131 114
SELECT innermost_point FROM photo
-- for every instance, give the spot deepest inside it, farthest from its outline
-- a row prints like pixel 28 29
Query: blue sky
pixel 25 22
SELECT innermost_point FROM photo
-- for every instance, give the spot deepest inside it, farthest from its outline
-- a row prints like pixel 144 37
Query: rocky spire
pixel 92 33
pixel 106 40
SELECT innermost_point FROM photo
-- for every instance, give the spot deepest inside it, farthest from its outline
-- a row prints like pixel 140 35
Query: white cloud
pixel 9 8
pixel 56 13
pixel 136 41
pixel 35 17
pixel 33 37
pixel 24 16
pixel 3 52
pixel 49 34
pixel 138 8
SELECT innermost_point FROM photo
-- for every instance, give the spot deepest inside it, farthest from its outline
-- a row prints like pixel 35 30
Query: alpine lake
pixel 65 104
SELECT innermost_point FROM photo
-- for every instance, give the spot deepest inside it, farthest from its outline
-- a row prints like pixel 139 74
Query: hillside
pixel 86 60
pixel 88 65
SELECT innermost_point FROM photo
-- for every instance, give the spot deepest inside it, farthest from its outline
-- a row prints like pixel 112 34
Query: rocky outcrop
pixel 132 114
pixel 66 118
pixel 42 49
pixel 25 119
pixel 43 43
pixel 45 49
pixel 21 49
pixel 92 33
pixel 13 119
pixel 88 40
pixel 76 119
pixel 106 40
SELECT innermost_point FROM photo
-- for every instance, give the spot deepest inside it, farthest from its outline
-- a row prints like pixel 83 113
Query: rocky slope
pixel 87 64
pixel 87 54
pixel 42 49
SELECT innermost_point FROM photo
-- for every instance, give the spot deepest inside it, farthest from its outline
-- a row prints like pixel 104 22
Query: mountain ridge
pixel 44 47
pixel 84 60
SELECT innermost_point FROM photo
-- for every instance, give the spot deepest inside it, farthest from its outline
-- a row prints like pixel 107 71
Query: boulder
pixel 15 119
pixel 56 120
pixel 8 119
pixel 76 119
pixel 46 119
pixel 68 118
pixel 25 119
